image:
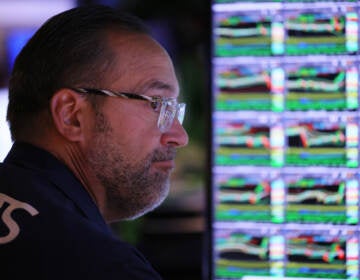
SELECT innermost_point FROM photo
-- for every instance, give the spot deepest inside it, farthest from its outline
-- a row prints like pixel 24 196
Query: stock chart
pixel 284 196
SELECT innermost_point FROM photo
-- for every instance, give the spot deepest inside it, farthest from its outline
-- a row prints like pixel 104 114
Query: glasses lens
pixel 181 112
pixel 166 117
pixel 167 114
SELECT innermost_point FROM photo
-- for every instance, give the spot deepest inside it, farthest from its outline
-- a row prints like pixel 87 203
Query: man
pixel 94 116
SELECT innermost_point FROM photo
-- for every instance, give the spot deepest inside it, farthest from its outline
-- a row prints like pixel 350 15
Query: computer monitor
pixel 284 190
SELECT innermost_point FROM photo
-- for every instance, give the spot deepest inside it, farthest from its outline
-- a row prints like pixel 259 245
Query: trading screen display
pixel 285 172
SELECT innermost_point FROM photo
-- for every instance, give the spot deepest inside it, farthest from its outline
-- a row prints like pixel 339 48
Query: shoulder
pixel 43 234
pixel 23 188
pixel 74 250
pixel 114 259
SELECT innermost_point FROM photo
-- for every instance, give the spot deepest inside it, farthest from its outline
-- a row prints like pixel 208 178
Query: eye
pixel 156 105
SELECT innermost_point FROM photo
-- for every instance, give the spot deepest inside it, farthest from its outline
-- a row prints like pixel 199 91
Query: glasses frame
pixel 169 107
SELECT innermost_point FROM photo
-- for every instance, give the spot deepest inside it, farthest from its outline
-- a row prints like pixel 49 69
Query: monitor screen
pixel 284 191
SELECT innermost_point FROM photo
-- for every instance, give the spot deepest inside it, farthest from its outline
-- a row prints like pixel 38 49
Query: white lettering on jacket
pixel 13 227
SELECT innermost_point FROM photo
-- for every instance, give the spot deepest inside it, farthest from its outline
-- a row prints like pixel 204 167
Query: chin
pixel 150 206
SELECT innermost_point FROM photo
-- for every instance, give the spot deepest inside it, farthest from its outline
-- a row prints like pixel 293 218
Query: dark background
pixel 173 236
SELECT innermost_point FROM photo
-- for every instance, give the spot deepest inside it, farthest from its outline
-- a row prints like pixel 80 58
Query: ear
pixel 67 108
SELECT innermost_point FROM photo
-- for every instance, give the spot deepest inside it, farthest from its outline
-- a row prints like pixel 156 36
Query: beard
pixel 131 187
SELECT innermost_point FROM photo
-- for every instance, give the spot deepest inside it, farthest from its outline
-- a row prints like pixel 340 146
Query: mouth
pixel 164 160
pixel 166 165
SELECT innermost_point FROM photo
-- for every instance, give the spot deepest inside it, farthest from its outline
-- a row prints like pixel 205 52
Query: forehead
pixel 141 65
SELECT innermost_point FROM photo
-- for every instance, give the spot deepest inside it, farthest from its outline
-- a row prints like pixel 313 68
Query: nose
pixel 176 136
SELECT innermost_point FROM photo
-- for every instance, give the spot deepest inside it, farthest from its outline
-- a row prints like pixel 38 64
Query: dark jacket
pixel 50 228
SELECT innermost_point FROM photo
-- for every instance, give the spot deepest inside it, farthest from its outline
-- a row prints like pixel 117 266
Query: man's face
pixel 129 155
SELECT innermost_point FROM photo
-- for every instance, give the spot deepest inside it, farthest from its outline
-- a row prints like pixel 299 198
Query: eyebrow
pixel 158 85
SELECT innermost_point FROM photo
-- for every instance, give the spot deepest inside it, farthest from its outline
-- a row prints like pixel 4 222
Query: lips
pixel 163 156
pixel 166 166
pixel 164 159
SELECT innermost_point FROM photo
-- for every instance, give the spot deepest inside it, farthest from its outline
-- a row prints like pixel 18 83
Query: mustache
pixel 164 155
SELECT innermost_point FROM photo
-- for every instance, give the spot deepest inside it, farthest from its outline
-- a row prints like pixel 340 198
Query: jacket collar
pixel 45 164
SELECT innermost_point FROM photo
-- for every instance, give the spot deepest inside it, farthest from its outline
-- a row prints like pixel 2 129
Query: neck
pixel 72 155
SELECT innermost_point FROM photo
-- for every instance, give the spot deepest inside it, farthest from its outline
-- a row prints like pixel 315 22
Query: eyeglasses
pixel 167 107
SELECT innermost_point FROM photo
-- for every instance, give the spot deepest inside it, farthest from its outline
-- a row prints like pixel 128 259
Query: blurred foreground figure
pixel 94 116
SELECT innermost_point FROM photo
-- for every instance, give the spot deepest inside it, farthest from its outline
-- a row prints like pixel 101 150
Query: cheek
pixel 137 142
pixel 133 131
pixel 90 132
